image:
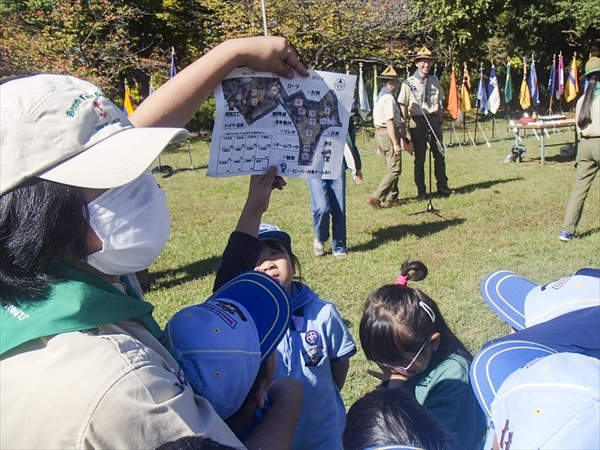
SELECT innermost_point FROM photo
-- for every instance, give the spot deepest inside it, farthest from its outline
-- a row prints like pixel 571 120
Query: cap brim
pixel 266 301
pixel 588 271
pixel 505 293
pixel 276 235
pixel 494 363
pixel 115 161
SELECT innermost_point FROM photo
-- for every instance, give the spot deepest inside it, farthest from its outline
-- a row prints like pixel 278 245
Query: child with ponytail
pixel 403 331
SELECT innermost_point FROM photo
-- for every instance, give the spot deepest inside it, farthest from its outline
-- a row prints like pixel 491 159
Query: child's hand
pixel 261 186
pixel 259 195
pixel 393 379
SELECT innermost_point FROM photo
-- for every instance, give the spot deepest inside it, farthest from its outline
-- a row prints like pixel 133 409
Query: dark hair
pixel 40 222
pixel 394 320
pixel 274 243
pixel 393 416
pixel 585 113
pixel 194 443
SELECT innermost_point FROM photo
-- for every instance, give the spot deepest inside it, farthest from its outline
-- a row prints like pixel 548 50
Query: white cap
pixel 64 129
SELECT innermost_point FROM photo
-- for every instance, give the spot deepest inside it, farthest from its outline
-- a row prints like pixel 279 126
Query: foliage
pixel 103 41
pixel 326 34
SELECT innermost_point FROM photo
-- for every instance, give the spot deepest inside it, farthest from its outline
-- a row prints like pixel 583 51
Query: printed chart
pixel 297 125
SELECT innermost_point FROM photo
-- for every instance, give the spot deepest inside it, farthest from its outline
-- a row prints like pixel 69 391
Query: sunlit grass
pixel 503 215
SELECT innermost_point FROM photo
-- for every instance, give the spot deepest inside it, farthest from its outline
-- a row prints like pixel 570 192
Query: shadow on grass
pixel 588 232
pixel 483 185
pixel 397 232
pixel 170 278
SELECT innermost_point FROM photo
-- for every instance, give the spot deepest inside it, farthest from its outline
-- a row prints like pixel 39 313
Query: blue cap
pixel 220 344
pixel 494 363
pixel 550 403
pixel 522 303
pixel 267 232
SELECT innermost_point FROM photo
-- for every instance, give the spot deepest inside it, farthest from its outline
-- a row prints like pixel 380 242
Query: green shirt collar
pixel 78 301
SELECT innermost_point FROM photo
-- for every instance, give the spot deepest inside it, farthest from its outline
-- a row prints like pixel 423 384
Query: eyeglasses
pixel 404 370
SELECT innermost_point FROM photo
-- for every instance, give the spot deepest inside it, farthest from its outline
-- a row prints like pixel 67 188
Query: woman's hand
pixel 270 54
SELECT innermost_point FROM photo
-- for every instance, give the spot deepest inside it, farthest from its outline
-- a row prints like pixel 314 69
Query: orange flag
pixel 453 97
pixel 572 86
pixel 129 107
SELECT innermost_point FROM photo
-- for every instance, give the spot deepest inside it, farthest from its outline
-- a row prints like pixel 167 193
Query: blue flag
pixel 482 97
pixel 493 92
pixel 534 89
pixel 173 64
pixel 552 79
pixel 363 97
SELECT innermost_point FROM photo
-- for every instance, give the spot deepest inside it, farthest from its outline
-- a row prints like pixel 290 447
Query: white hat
pixel 552 402
pixel 64 129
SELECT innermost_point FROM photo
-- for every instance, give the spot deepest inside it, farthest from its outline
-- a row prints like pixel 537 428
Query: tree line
pixel 114 42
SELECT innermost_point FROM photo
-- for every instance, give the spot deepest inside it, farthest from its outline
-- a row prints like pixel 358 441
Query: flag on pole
pixel 508 88
pixel 465 95
pixel 560 76
pixel 493 92
pixel 375 92
pixel 363 108
pixel 128 105
pixel 524 95
pixel 173 64
pixel 552 79
pixel 534 89
pixel 453 97
pixel 572 86
pixel 482 97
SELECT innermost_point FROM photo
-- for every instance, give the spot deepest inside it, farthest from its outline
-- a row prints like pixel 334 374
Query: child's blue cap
pixel 220 344
pixel 522 303
pixel 267 232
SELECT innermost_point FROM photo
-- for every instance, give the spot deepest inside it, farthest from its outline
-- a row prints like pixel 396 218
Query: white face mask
pixel 133 223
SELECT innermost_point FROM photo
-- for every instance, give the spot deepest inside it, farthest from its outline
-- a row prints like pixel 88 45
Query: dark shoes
pixel 373 202
pixel 445 191
pixel 421 196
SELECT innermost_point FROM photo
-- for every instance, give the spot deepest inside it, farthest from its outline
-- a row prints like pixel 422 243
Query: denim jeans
pixel 328 198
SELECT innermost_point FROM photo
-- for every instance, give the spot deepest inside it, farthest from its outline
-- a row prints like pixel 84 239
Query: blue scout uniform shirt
pixel 445 391
pixel 316 338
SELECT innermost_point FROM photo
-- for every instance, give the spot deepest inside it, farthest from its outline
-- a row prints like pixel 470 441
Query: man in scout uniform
pixel 421 102
pixel 387 121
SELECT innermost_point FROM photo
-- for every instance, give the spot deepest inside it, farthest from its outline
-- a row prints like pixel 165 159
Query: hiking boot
pixel 373 202
pixel 318 248
pixel 566 236
pixel 445 191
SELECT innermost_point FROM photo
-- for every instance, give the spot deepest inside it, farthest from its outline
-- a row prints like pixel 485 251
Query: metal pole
pixel 264 14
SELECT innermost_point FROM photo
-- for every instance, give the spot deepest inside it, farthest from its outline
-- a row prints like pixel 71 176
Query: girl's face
pixel 276 262
pixel 416 364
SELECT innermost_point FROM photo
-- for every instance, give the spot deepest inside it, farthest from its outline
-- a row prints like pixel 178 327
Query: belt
pixel 381 128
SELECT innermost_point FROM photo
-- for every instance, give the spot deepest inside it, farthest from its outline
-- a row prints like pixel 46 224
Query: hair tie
pixel 402 280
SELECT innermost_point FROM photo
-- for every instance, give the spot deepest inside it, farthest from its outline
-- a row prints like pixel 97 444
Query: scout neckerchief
pixel 385 91
pixel 77 301
pixel 426 89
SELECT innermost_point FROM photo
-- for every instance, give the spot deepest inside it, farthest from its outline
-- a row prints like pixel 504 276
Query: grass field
pixel 502 216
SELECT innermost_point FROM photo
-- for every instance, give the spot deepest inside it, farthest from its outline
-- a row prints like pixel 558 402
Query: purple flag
pixel 533 85
pixel 173 64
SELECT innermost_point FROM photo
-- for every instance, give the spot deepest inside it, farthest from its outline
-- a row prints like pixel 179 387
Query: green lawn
pixel 502 216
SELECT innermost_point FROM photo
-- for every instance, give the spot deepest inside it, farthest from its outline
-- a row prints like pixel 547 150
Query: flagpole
pixel 264 16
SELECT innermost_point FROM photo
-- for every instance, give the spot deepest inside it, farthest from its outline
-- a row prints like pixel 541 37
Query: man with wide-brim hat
pixel 387 121
pixel 587 117
pixel 421 104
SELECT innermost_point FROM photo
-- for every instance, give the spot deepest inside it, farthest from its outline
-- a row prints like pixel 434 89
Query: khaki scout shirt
pixel 385 109
pixel 115 387
pixel 412 99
